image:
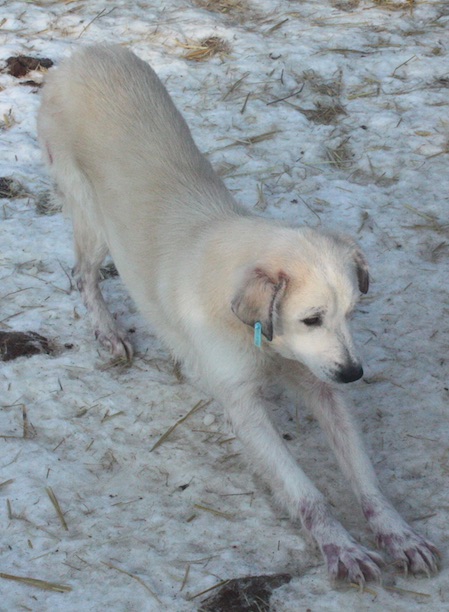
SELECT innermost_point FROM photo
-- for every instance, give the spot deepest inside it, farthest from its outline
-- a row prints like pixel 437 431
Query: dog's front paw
pixel 407 548
pixel 412 552
pixel 352 562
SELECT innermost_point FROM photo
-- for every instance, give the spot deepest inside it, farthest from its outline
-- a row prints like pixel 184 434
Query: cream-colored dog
pixel 234 297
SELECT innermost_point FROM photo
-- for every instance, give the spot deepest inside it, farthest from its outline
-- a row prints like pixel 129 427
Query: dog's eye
pixel 313 321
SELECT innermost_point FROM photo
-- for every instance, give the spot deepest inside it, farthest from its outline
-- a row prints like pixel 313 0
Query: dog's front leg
pixel 344 557
pixel 392 533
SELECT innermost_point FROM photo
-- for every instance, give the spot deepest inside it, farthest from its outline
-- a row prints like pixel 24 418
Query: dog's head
pixel 304 301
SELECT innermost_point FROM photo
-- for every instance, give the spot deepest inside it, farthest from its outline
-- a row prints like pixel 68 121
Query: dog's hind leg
pixel 78 200
pixel 91 249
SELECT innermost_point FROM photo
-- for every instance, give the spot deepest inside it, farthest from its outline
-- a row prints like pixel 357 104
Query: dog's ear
pixel 258 298
pixel 361 267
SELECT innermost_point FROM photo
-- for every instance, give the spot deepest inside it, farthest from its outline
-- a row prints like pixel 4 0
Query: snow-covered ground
pixel 362 145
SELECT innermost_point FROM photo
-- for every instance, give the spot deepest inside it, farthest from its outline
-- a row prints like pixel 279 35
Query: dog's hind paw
pixel 117 344
pixel 353 562
pixel 410 551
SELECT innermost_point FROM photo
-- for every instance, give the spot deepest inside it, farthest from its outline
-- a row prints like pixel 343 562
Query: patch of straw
pixel 331 88
pixel 40 584
pixel 341 156
pixel 345 5
pixel 222 6
pixel 395 6
pixel 323 114
pixel 204 49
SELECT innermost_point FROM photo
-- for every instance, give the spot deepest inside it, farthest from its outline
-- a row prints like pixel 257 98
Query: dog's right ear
pixel 258 299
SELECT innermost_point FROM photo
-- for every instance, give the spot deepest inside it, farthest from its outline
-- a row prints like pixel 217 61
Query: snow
pixel 133 524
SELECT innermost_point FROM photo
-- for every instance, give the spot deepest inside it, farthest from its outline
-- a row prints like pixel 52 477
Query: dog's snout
pixel 349 373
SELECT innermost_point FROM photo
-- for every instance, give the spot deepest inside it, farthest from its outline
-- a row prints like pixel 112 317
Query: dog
pixel 234 297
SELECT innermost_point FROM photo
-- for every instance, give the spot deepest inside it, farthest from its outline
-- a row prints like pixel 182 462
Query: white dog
pixel 234 297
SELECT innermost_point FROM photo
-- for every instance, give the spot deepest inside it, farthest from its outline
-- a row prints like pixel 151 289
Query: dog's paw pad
pixel 353 563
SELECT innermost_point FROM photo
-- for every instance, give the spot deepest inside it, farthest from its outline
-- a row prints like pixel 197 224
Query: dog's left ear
pixel 258 299
pixel 361 267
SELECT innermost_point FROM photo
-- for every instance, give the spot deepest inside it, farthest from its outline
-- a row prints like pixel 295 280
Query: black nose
pixel 350 373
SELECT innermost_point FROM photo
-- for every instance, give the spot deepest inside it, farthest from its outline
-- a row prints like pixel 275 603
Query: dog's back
pixel 112 135
pixel 107 112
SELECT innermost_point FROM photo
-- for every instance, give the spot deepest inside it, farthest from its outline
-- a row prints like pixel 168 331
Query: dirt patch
pixel 248 594
pixel 21 65
pixel 22 344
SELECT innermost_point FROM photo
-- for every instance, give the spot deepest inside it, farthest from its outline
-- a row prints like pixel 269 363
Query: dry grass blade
pixel 102 13
pixel 216 586
pixel 213 511
pixel 108 417
pixel 246 142
pixel 258 138
pixel 295 93
pixel 57 507
pixel 406 592
pixel 414 57
pixel 6 483
pixel 186 577
pixel 235 86
pixel 26 425
pixel 139 580
pixel 198 406
pixel 242 110
pixel 276 26
pixel 40 584
pixel 363 589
